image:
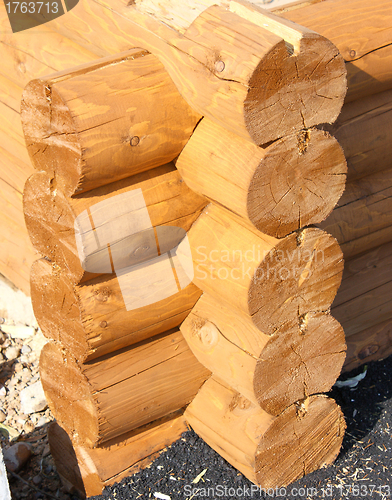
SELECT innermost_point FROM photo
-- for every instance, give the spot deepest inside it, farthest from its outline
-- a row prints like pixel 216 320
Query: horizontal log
pixel 294 182
pixel 133 119
pixel 38 51
pixel 270 451
pixel 352 25
pixel 91 319
pixel 362 131
pixel 359 31
pixel 371 344
pixel 100 401
pixel 302 358
pixel 88 471
pixel 241 96
pixel 363 218
pixel 273 281
pixel 168 202
pixel 364 298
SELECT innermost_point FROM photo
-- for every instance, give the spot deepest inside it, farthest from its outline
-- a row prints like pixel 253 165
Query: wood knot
pixel 102 295
pixel 208 335
pixel 134 141
pixel 352 53
pixel 219 66
pixel 239 402
pixel 368 351
pixel 103 324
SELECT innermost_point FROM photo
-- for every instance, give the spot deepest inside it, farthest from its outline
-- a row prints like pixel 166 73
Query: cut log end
pixel 313 432
pixel 307 88
pixel 50 134
pixel 298 183
pixel 290 276
pixel 303 360
pixel 71 402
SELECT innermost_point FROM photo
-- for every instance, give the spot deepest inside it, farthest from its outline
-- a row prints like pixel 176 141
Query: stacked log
pixel 259 159
pixel 113 220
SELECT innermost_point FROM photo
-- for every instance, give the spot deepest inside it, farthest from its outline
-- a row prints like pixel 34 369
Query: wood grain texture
pixel 362 130
pixel 88 471
pixel 363 218
pixel 270 451
pixel 131 120
pixel 271 280
pixel 100 401
pixel 364 298
pixel 294 182
pixel 91 319
pixel 244 106
pixel 371 344
pixel 168 200
pixel 302 358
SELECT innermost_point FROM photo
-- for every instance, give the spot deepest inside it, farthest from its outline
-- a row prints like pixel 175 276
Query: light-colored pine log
pixel 360 32
pixel 273 281
pixel 11 133
pixel 302 358
pixel 87 471
pixel 131 120
pixel 270 451
pixel 100 401
pixel 91 319
pixel 363 218
pixel 50 215
pixel 243 95
pixel 350 24
pixel 294 182
pixel 364 298
pixel 38 51
pixel 362 130
pixel 371 344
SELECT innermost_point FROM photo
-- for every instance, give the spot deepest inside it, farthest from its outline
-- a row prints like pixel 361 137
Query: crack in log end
pixel 303 141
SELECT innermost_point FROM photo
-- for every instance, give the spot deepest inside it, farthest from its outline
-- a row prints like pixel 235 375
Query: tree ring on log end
pixel 69 394
pixel 300 440
pixel 297 183
pixel 307 87
pixel 301 273
pixel 296 364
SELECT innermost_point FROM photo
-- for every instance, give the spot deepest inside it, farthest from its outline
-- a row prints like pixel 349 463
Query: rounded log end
pixel 50 220
pixel 302 439
pixel 50 134
pixel 68 394
pixel 56 307
pixel 301 273
pixel 290 92
pixel 305 358
pixel 298 183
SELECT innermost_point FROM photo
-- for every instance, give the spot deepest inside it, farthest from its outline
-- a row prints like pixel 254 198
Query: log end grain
pixel 50 133
pixel 301 274
pixel 297 183
pixel 289 92
pixel 68 394
pixel 302 439
pixel 301 360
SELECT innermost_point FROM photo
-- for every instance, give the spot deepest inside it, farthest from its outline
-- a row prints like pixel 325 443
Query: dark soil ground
pixel 363 469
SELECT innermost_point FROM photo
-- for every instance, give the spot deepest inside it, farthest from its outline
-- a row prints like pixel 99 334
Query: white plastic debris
pixel 352 382
pixel 161 496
